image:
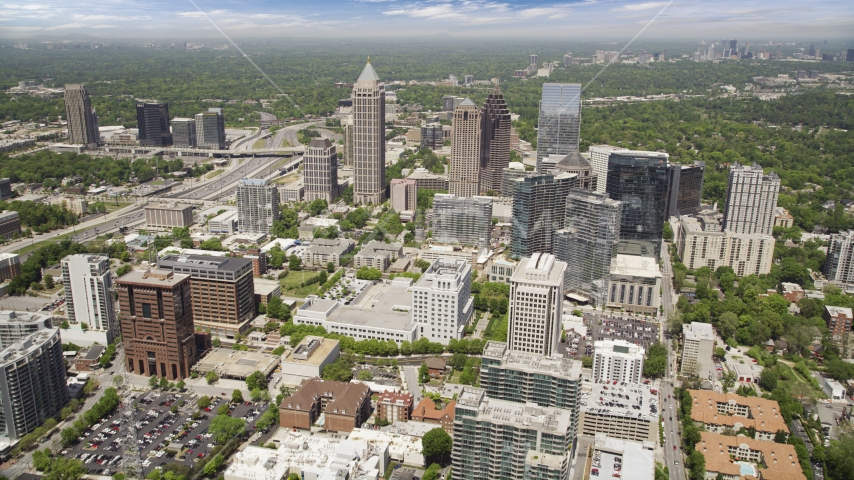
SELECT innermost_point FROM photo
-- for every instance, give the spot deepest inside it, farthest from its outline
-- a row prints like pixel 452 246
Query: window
pixel 146 310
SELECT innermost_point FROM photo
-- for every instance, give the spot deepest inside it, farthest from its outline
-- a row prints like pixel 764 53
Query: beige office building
pixel 166 217
pixel 368 138
pixel 403 194
pixel 82 122
pixel 536 305
pixel 464 166
pixel 320 171
pixel 697 350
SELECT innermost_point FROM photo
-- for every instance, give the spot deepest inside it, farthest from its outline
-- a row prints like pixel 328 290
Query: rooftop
pixel 698 331
pixel 153 277
pixel 32 343
pixel 635 266
pixel 618 399
pixel 316 356
pixel 528 415
pixel 836 311
pixel 539 268
pixel 11 316
pixel 382 305
pixel 266 287
pixel 94 352
pixel 780 459
pixel 764 414
pixel 532 363
pixel 206 262
pixel 322 245
pixel 639 456
pixel 228 363
pixel 619 347
pixel 345 396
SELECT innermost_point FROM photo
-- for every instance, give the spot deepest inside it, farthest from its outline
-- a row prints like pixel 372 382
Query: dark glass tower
pixel 494 141
pixel 639 180
pixel 153 122
pixel 686 187
pixel 539 204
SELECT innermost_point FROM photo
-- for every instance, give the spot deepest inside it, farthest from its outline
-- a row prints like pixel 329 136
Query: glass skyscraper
pixel 539 204
pixel 559 125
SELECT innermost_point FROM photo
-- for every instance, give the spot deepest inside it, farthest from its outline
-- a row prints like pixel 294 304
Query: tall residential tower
pixel 321 171
pixel 464 168
pixel 257 205
pixel 539 205
pixel 751 197
pixel 88 296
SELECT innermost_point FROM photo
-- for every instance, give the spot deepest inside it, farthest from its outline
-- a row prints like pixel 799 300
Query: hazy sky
pixel 150 19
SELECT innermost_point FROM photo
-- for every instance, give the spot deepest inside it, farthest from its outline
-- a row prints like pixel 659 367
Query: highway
pixel 669 412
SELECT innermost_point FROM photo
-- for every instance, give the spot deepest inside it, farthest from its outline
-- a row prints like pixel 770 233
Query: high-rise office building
pixel 509 176
pixel 442 304
pixel 567 59
pixel 223 291
pixel 588 242
pixel 617 360
pixel 849 56
pixel 812 50
pixel 404 194
pixel 347 125
pixel 733 45
pixel 839 265
pixel 494 141
pixel 450 102
pixel 685 187
pixel 157 323
pixel 320 164
pixel 257 205
pixel 536 305
pixel 462 221
pixel 432 136
pixel 464 167
pixel 5 189
pixel 639 180
pixel 152 120
pixel 210 129
pixel 82 123
pixel 368 138
pixel 599 155
pixel 698 345
pixel 88 298
pixel 559 126
pixel 751 197
pixel 32 384
pixel 539 210
pixel 184 132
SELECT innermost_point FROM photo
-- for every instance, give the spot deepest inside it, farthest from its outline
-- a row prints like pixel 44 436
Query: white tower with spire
pixel 369 138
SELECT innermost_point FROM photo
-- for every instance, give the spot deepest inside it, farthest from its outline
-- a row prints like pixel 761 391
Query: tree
pixel 768 379
pixel 330 267
pixel 840 457
pixel 294 476
pixel 277 309
pixel 432 472
pixel 64 325
pixel 365 375
pixel 123 270
pixel 436 446
pixel 368 273
pixel 587 361
pixel 65 469
pixel 204 401
pixel 780 437
pixel 213 464
pixel 216 342
pixel 181 385
pixel 152 381
pixel 294 263
pixel 225 427
pixel 316 207
pixel 211 377
pixel 256 380
pixel 164 383
pixel 48 281
pixel 258 394
pixel 278 351
pixel 423 373
pixel 237 396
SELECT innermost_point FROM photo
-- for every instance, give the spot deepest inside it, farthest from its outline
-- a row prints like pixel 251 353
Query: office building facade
pixel 167 217
pixel 82 122
pixel 839 264
pixel 464 168
pixel 88 297
pixel 639 180
pixel 10 266
pixel 685 187
pixel 320 172
pixel 257 205
pixel 751 198
pixel 617 360
pixel 432 136
pixel 536 305
pixel 184 132
pixel 559 125
pixel 404 194
pixel 157 323
pixel 462 221
pixel 634 284
pixel 368 138
pixel 494 141
pixel 5 189
pixel 442 304
pixel 210 129
pixel 599 155
pixel 10 224
pixel 152 120
pixel 509 176
pixel 698 347
pixel 539 210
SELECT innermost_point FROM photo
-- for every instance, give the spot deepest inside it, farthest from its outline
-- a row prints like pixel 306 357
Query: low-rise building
pixel 292 192
pixel 741 457
pixel 344 406
pixel 748 373
pixel 167 217
pixel 10 266
pixel 10 224
pixel 308 359
pixel 425 179
pixel 833 389
pixel 782 218
pixel 427 412
pixel 720 412
pixel 617 360
pixel 500 269
pixel 838 321
pixel 322 251
pixel 698 347
pixel 379 255
pixel 635 457
pixel 625 411
pixel 792 292
pixel 77 206
pixel 634 284
pixel 225 222
pixel 266 289
pixel 89 361
pixel 394 407
pixel 402 448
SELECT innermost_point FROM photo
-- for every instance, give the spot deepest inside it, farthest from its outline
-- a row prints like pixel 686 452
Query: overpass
pixel 193 152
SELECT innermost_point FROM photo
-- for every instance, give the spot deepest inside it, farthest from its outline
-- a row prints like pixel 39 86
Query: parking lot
pixel 635 329
pixel 163 436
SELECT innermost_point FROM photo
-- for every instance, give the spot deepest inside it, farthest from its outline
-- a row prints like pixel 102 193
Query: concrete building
pixel 740 457
pixel 292 192
pixel 698 347
pixel 82 121
pixel 88 286
pixel 157 323
pixel 462 221
pixel 257 205
pixel 167 217
pixel 264 290
pixel 634 284
pixel 226 222
pixel 536 305
pixel 624 411
pixel 322 251
pixel 223 293
pixel 497 439
pixel 685 187
pixel 153 123
pixel 404 194
pixel 15 326
pixel 10 266
pixel 838 321
pixel 617 360
pixel 719 412
pixel 10 223
pixel 442 304
pixel 751 199
pixel 402 448
pixel 427 180
pixel 77 206
pixel 839 265
pixel 577 164
pixel 432 136
pixel 369 138
pixel 559 125
pixel 184 132
pixel 608 453
pixel 509 176
pixel 344 406
pixel 32 384
pixel 494 141
pixel 5 189
pixel 833 389
pixel 599 155
pixel 394 407
pixel 308 359
pixel 464 169
pixel 210 129
pixel 379 255
pixel 320 171
pixel 539 210
pixel 500 269
pixel 782 218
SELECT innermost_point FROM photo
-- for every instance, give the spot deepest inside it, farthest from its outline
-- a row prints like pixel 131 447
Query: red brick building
pixel 838 321
pixel 345 405
pixel 436 366
pixel 394 407
pixel 426 411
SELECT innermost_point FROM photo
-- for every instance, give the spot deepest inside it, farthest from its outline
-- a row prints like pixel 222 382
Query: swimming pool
pixel 746 468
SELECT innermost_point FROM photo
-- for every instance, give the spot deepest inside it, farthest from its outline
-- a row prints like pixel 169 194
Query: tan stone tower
pixel 369 138
pixel 465 151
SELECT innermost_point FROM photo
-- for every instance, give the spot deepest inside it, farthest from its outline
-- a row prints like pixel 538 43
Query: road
pixel 670 413
pixel 410 374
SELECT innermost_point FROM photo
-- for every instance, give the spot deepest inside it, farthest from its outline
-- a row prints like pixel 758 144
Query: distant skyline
pixel 594 19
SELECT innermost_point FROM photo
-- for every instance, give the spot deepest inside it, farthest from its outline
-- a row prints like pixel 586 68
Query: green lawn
pixel 260 143
pixel 215 173
pixel 291 283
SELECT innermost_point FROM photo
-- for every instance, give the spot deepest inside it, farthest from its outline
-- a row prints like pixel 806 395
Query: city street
pixel 410 375
pixel 670 414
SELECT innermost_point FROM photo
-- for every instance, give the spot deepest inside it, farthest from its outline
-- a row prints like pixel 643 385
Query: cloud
pixel 30 7
pixel 637 7
pixel 66 26
pixel 475 12
pixel 374 1
pixel 99 18
pixel 104 26
pixel 198 14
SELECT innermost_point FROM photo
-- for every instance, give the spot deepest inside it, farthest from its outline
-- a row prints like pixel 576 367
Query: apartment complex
pixel 509 176
pixel 379 255
pixel 697 349
pixel 732 457
pixel 223 291
pixel 623 411
pixel 157 323
pixel 257 205
pixel 839 265
pixel 88 298
pixel 539 210
pixel 15 326
pixel 368 138
pixel 635 284
pixel 82 121
pixel 617 360
pixel 153 123
pixel 464 168
pixel 10 223
pixel 10 266
pixel 210 129
pixel 184 132
pixel 494 141
pixel 427 412
pixel 442 304
pixel 686 187
pixel 322 251
pixel 167 217
pixel 32 384
pixel 751 199
pixel 320 171
pixel 462 221
pixel 343 405
pixel 536 305
pixel 394 407
pixel 404 194
pixel 559 125
pixel 720 412
pixel 838 321
pixel 599 155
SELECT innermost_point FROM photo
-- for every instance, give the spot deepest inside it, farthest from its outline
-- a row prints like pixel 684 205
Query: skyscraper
pixel 494 141
pixel 369 138
pixel 403 194
pixel 462 221
pixel 685 187
pixel 257 205
pixel 464 168
pixel 152 120
pixel 88 296
pixel 442 300
pixel 839 266
pixel 559 127
pixel 321 171
pixel 849 56
pixel 617 360
pixel 567 59
pixel 638 179
pixel 588 242
pixel 82 124
pixel 536 305
pixel 184 132
pixel 539 206
pixel 751 197
pixel 210 129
